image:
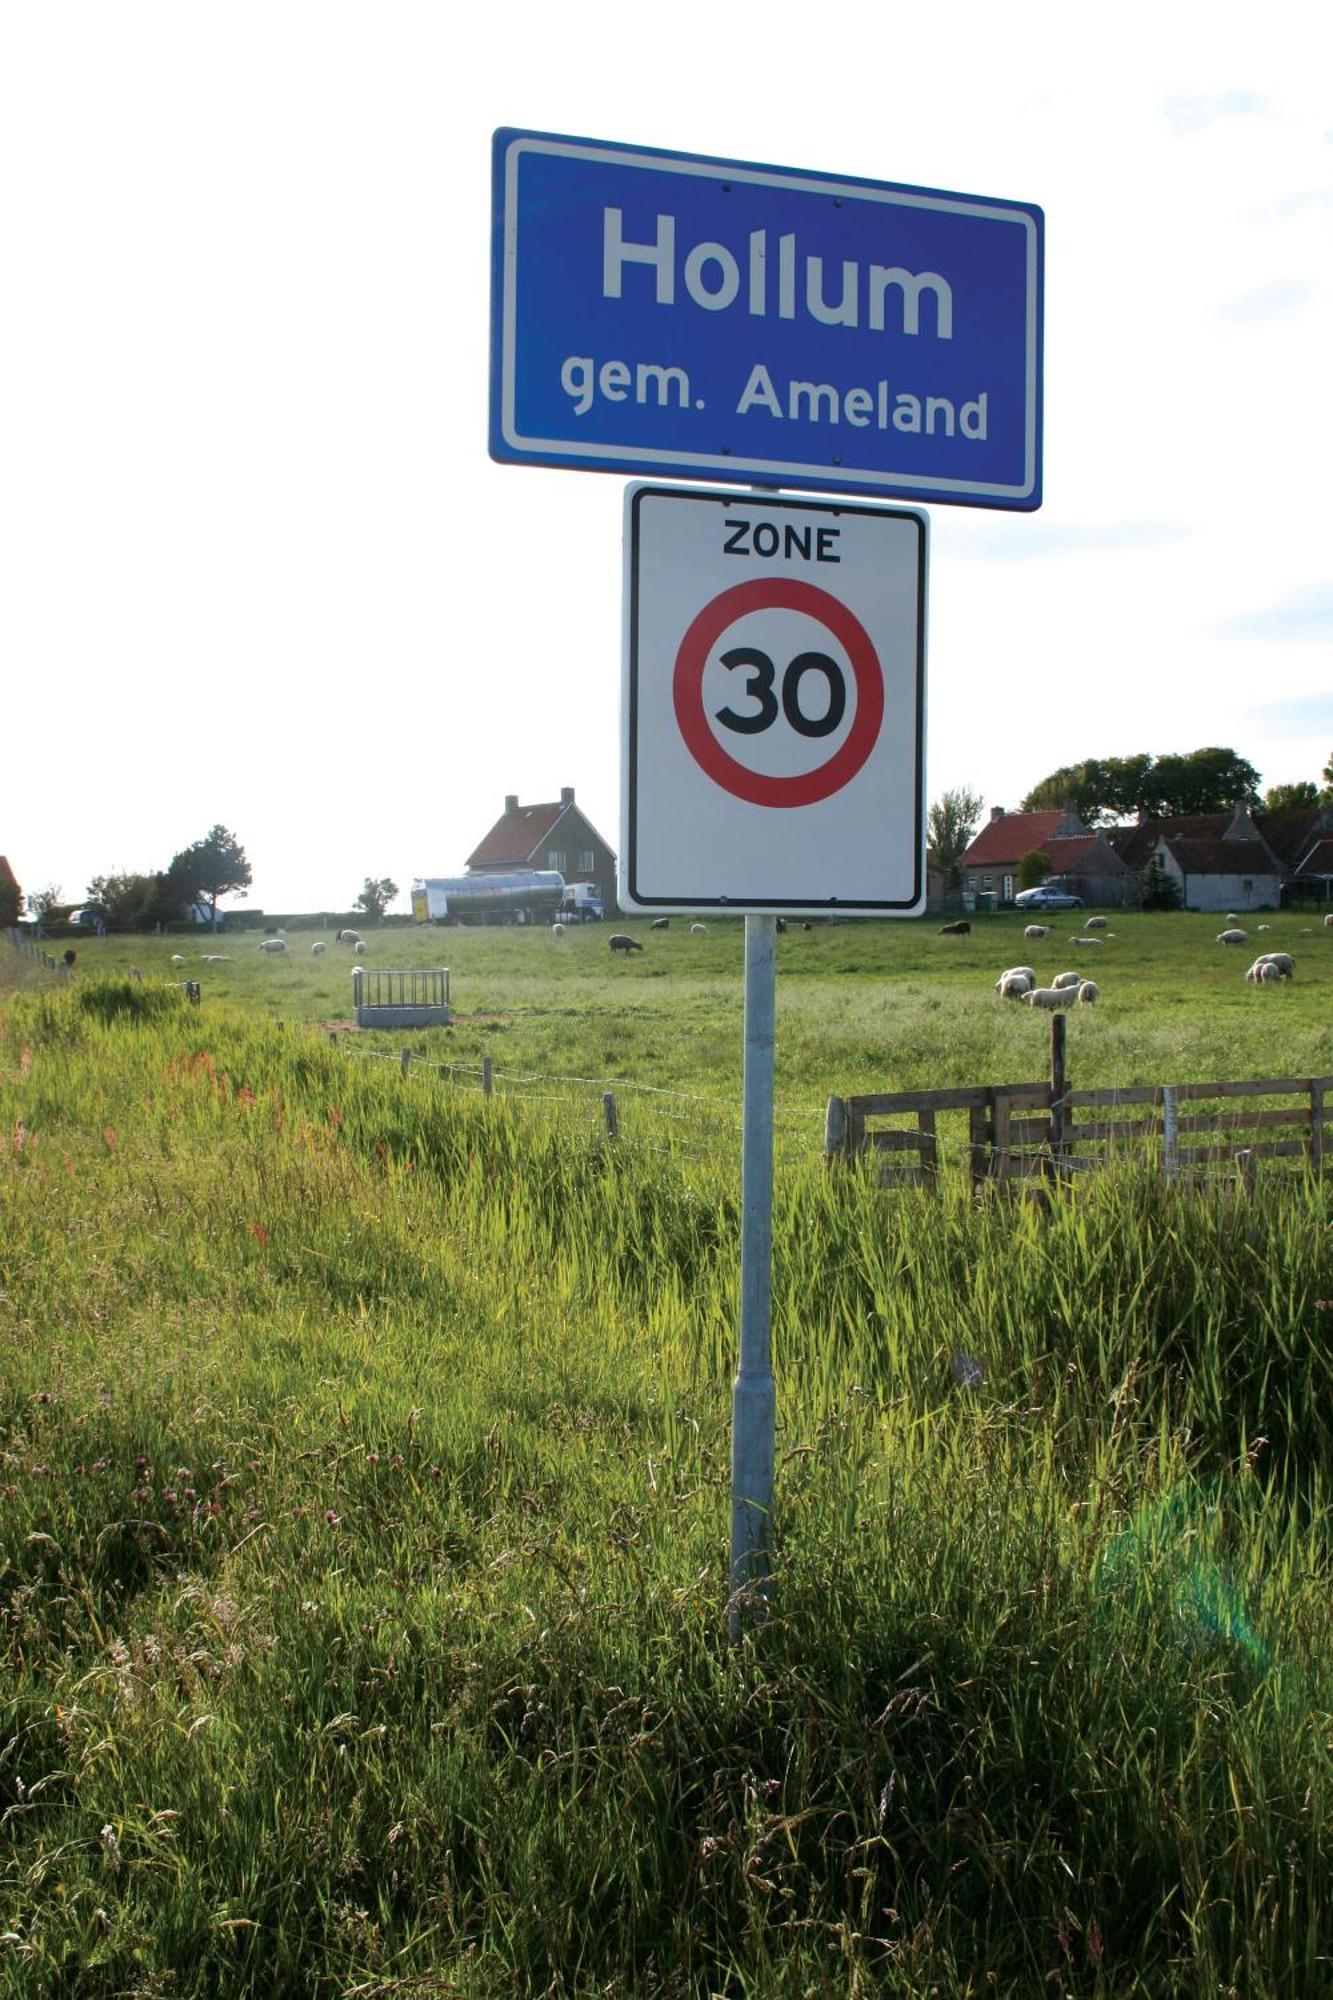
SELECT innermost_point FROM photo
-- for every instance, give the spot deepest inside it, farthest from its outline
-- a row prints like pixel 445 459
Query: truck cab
pixel 582 903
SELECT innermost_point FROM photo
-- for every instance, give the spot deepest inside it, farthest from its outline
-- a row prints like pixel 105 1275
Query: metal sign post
pixel 753 1400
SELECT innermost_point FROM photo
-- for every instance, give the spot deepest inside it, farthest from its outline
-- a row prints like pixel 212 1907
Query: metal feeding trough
pixel 416 999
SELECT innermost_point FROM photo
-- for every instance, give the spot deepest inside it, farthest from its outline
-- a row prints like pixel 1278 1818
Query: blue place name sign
pixel 669 313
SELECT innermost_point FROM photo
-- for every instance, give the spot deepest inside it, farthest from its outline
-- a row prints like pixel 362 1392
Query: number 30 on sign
pixel 774 704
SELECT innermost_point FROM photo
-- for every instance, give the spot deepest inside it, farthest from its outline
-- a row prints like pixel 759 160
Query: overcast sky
pixel 256 566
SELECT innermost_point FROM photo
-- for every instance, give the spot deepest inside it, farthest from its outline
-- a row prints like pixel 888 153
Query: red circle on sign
pixel 777 594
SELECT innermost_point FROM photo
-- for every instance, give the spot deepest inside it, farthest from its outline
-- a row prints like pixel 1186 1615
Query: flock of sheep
pixel 1067 989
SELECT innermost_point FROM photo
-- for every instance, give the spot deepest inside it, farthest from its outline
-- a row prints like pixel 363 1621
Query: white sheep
pixel 1088 992
pixel 1328 922
pixel 360 947
pixel 1036 930
pixel 178 958
pixel 1051 997
pixel 698 929
pixel 1096 923
pixel 1013 985
pixel 1026 970
pixel 273 944
pixel 318 948
pixel 1232 937
pixel 1283 960
pixel 348 937
pixel 1063 979
pixel 1084 940
pixel 557 930
pixel 217 958
pixel 1263 927
pixel 1263 973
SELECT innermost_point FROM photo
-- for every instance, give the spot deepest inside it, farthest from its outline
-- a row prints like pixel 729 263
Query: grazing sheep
pixel 1026 971
pixel 1063 979
pixel 1283 960
pixel 1232 937
pixel 272 944
pixel 1084 940
pixel 1328 922
pixel 178 958
pixel 1263 927
pixel 960 929
pixel 557 930
pixel 318 948
pixel 1263 973
pixel 698 930
pixel 348 937
pixel 360 947
pixel 217 958
pixel 660 924
pixel 1088 992
pixel 622 941
pixel 1013 985
pixel 1051 997
pixel 1096 923
pixel 1036 930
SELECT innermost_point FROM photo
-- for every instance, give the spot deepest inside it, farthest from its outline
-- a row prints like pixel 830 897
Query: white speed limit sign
pixel 774 704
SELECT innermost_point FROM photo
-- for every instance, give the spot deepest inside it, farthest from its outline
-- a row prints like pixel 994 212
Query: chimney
pixel 511 802
pixel 997 812
pixel 566 795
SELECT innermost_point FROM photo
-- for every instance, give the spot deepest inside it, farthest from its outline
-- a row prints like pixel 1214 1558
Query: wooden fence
pixel 1019 1130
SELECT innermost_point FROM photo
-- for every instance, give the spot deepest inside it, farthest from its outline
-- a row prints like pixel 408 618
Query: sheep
pixel 1283 960
pixel 178 958
pixel 1051 997
pixel 360 947
pixel 1063 979
pixel 217 958
pixel 318 948
pixel 1096 923
pixel 1036 930
pixel 348 937
pixel 698 930
pixel 1085 940
pixel 1263 927
pixel 272 944
pixel 1263 973
pixel 781 926
pixel 1025 970
pixel 1232 936
pixel 660 924
pixel 959 929
pixel 1088 992
pixel 1328 922
pixel 1013 985
pixel 622 941
pixel 557 930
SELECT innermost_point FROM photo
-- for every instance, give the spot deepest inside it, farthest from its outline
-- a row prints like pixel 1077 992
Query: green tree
pixel 1033 868
pixel 214 866
pixel 951 824
pixel 41 902
pixel 11 896
pixel 1203 781
pixel 1104 789
pixel 376 897
pixel 1291 798
pixel 1327 773
pixel 1156 889
pixel 132 901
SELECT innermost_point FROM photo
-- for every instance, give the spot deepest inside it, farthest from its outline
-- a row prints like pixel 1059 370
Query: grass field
pixel 364 1491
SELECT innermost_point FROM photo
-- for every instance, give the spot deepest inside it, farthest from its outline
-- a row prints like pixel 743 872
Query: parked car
pixel 1050 896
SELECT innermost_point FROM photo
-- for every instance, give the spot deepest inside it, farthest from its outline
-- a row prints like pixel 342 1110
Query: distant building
pixel 557 835
pixel 1218 861
pixel 1080 859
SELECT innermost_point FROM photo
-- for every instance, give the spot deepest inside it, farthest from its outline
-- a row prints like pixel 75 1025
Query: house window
pixel 556 859
pixel 1247 886
pixel 1008 888
pixel 988 881
pixel 587 861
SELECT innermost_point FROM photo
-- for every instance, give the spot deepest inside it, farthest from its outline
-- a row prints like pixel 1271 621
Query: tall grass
pixel 364 1463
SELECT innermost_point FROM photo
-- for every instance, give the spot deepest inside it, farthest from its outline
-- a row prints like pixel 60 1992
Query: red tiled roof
pixel 515 837
pixel 1289 834
pixel 1011 836
pixel 1075 851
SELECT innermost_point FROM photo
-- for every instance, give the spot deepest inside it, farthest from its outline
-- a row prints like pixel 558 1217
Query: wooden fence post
pixel 612 1117
pixel 1059 1085
pixel 1170 1133
pixel 405 1061
pixel 835 1129
pixel 1316 1125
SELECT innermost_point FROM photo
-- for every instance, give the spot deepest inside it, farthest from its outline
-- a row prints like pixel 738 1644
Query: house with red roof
pixel 555 835
pixel 1218 861
pixel 1082 860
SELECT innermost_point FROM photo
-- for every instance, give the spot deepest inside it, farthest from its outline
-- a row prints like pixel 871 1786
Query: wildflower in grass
pixel 141 1493
pixel 111 1140
pixel 20 1136
pixel 98 1465
pixel 260 1234
pixel 332 1518
pixel 169 1495
pixel 43 1395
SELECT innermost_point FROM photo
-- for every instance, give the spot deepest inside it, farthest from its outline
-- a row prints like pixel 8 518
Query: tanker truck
pixel 519 896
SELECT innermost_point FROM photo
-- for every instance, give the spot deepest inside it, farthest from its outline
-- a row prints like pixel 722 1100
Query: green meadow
pixel 364 1487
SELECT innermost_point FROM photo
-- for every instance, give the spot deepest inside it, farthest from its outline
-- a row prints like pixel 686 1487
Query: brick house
pixel 1082 860
pixel 556 835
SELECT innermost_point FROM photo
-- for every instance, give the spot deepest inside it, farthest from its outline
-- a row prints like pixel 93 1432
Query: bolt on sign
pixel 773 704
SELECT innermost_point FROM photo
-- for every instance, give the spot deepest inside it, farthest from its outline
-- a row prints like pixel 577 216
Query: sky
pixel 257 568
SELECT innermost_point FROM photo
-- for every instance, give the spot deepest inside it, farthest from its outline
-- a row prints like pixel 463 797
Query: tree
pixel 11 896
pixel 1203 781
pixel 132 901
pixel 1103 789
pixel 214 866
pixel 1327 773
pixel 1291 798
pixel 951 823
pixel 1157 889
pixel 42 901
pixel 376 897
pixel 1033 868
